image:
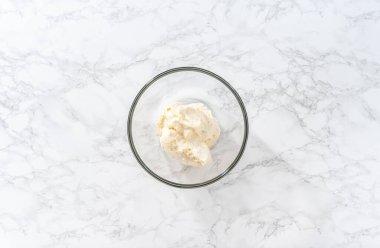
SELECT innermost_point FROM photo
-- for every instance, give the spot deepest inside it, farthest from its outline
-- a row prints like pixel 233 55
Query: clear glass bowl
pixel 187 85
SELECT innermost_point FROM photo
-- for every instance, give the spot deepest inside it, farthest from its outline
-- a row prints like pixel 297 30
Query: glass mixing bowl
pixel 187 85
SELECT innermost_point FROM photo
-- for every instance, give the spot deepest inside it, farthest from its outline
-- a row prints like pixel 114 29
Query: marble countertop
pixel 309 75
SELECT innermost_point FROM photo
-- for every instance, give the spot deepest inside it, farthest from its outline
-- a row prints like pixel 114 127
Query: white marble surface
pixel 308 71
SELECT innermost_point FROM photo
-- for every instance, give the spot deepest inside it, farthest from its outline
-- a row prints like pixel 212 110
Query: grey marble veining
pixel 308 72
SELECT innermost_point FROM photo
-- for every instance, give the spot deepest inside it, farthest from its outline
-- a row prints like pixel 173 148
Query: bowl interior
pixel 187 87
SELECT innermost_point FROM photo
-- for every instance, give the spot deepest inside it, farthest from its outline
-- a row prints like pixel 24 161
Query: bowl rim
pixel 183 69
